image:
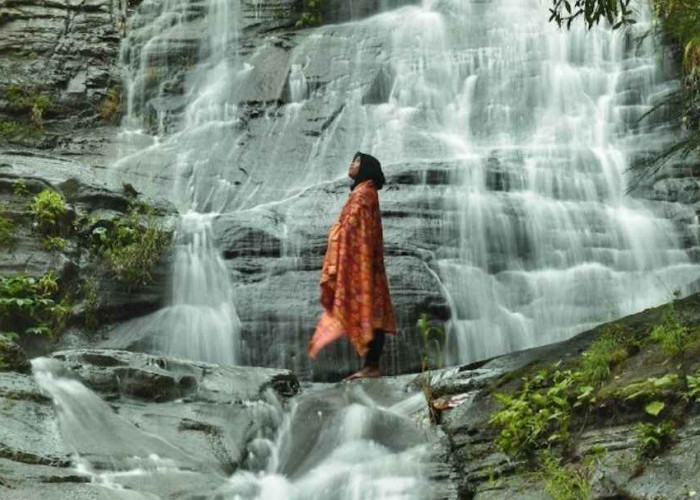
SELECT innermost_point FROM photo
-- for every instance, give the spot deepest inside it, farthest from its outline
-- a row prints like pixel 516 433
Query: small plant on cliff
pixel 20 188
pixel 133 247
pixel 91 302
pixel 565 481
pixel 671 333
pixel 652 437
pixel 35 103
pixel 7 230
pixel 608 350
pixel 537 416
pixel 433 344
pixel 54 244
pixel 48 208
pixel 30 305
pixel 311 14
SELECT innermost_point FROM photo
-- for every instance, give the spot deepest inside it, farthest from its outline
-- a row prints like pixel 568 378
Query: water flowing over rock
pixel 134 424
pixel 505 151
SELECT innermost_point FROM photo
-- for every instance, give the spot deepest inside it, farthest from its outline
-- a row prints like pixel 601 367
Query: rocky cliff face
pixel 273 219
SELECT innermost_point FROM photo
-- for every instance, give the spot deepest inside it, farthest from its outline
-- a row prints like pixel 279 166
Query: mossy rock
pixel 12 357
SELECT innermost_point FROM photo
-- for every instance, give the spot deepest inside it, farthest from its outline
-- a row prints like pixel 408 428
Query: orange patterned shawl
pixel 354 288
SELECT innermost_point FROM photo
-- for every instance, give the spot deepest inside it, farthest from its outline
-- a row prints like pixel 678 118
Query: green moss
pixel 15 130
pixel 91 301
pixel 7 231
pixel 54 244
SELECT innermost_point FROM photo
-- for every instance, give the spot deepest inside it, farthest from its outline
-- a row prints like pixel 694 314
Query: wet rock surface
pixel 209 412
pixel 485 473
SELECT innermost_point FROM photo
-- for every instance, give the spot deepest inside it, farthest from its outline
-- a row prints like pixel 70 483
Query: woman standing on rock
pixel 354 289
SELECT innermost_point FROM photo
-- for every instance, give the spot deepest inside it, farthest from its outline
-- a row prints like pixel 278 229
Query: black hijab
pixel 370 168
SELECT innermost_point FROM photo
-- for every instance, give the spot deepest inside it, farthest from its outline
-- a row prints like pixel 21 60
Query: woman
pixel 354 288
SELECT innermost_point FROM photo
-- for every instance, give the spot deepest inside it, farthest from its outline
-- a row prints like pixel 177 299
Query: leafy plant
pixel 48 209
pixel 671 333
pixel 616 12
pixel 311 14
pixel 609 349
pixel 650 388
pixel 564 481
pixel 433 339
pixel 133 247
pixel 36 103
pixel 653 437
pixel 54 244
pixel 693 392
pixel 30 305
pixel 537 416
pixel 91 303
pixel 20 188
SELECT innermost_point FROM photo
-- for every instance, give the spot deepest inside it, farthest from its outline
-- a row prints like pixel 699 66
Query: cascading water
pixel 201 322
pixel 354 449
pixel 534 126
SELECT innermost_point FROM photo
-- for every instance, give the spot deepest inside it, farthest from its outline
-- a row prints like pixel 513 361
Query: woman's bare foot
pixel 366 372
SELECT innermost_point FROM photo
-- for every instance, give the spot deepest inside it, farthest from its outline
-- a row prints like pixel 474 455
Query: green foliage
pixel 671 333
pixel 132 248
pixel 433 339
pixel 30 305
pixel 654 408
pixel 311 14
pixel 91 303
pixel 616 12
pixel 564 481
pixel 36 103
pixel 537 416
pixel 652 437
pixel 20 188
pixel 48 209
pixel 693 392
pixel 15 130
pixel 650 388
pixel 7 231
pixel 608 350
pixel 54 244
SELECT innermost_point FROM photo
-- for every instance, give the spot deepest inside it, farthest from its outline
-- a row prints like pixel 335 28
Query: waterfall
pixel 529 130
pixel 355 448
pixel 200 322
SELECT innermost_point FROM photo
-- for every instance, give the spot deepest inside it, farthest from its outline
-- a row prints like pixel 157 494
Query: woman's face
pixel 354 168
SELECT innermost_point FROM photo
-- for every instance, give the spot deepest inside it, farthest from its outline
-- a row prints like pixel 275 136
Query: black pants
pixel 376 347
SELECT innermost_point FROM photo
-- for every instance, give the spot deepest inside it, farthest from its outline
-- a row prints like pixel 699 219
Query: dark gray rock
pixel 12 357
